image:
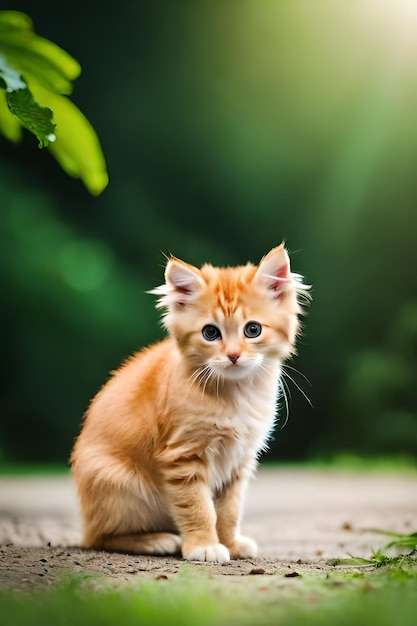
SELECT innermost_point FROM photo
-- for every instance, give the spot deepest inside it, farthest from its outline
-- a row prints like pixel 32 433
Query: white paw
pixel 166 543
pixel 243 548
pixel 214 553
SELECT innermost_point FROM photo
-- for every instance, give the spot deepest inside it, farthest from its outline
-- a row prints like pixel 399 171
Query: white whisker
pixel 287 388
pixel 217 384
pixel 200 377
pixel 298 387
pixel 285 366
pixel 287 410
pixel 209 374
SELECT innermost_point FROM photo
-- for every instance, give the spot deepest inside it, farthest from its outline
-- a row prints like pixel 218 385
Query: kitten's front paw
pixel 243 548
pixel 214 553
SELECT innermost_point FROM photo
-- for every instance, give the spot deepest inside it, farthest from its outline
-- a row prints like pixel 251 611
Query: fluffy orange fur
pixel 169 443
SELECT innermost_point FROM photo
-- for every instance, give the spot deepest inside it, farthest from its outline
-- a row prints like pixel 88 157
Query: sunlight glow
pixel 402 14
pixel 403 8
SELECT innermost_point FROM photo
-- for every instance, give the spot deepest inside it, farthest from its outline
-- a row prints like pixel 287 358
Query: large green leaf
pixel 14 21
pixel 34 56
pixel 36 75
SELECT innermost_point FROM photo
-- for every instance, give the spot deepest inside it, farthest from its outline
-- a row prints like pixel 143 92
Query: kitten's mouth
pixel 235 371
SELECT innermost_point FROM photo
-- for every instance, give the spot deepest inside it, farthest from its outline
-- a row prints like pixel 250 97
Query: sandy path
pixel 294 515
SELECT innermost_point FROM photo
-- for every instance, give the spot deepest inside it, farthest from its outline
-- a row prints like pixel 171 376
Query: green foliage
pixel 399 541
pixel 34 70
pixel 402 541
pixel 379 559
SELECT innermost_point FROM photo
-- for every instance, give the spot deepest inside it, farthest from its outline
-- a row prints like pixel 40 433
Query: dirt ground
pixel 299 518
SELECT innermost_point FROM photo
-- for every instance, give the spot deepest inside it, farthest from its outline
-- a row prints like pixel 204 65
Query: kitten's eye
pixel 252 330
pixel 211 333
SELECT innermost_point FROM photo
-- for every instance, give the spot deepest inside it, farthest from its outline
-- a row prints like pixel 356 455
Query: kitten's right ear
pixel 185 279
pixel 182 283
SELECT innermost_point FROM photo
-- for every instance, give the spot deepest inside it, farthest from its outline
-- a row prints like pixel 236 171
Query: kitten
pixel 170 441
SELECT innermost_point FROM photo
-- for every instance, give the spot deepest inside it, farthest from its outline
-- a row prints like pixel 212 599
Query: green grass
pixel 384 597
pixel 383 593
pixel 405 544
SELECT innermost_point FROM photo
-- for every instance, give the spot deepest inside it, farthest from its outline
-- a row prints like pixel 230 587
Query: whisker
pixel 289 367
pixel 287 410
pixel 217 375
pixel 287 388
pixel 209 374
pixel 298 387
pixel 200 377
pixel 195 376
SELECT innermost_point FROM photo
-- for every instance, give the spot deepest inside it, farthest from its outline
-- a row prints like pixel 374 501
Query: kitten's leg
pixel 125 514
pixel 193 510
pixel 228 504
pixel 138 543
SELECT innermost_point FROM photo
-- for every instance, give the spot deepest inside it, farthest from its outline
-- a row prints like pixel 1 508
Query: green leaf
pixel 77 148
pixel 39 59
pixel 21 104
pixel 354 560
pixel 14 21
pixel 37 75
pixel 399 540
pixel 9 126
pixel 404 541
pixel 36 57
pixel 32 116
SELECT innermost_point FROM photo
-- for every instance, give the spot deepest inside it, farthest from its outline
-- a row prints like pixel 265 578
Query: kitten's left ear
pixel 274 271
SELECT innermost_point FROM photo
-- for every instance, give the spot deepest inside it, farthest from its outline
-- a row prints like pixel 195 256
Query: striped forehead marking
pixel 227 295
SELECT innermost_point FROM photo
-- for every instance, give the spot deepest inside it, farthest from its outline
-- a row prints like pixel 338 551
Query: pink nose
pixel 233 358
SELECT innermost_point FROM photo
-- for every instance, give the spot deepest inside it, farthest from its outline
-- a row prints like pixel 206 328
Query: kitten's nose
pixel 233 358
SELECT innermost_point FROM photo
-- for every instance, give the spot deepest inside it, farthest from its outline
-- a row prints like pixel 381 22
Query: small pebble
pixel 292 575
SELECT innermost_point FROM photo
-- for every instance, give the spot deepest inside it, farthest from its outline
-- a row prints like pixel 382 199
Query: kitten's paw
pixel 214 553
pixel 166 543
pixel 243 548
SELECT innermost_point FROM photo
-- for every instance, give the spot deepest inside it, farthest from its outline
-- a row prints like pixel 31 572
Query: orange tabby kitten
pixel 170 441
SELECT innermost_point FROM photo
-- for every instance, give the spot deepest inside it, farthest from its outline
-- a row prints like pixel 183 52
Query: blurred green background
pixel 227 126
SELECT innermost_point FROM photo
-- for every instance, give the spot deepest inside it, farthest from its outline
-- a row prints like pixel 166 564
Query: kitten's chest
pixel 221 436
pixel 236 435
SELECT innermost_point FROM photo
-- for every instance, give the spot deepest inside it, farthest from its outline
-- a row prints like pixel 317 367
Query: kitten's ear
pixel 274 271
pixel 182 283
pixel 185 279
